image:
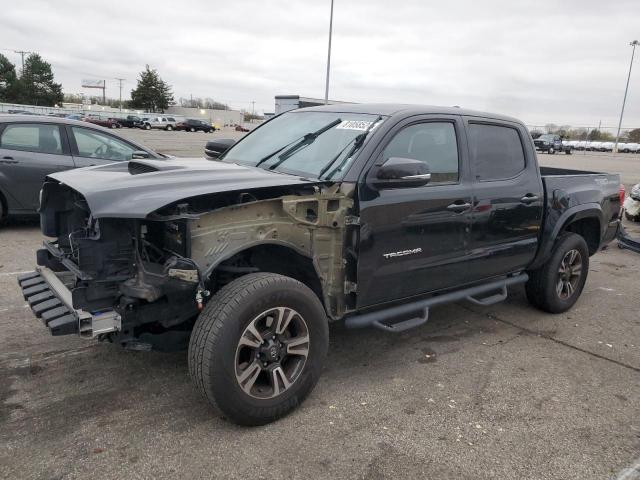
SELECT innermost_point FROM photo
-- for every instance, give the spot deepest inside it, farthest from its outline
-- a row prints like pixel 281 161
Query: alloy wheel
pixel 569 274
pixel 272 352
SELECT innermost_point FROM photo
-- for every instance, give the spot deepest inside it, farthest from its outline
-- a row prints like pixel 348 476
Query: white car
pixel 629 147
pixel 160 122
pixel 607 146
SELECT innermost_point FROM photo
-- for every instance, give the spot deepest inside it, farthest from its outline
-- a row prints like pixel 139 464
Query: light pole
pixel 120 80
pixel 624 100
pixel 326 88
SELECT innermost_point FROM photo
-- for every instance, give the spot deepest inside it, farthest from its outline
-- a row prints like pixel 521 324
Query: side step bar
pixel 383 319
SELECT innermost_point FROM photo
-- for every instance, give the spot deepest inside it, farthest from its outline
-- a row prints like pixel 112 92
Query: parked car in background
pixel 551 143
pixel 103 122
pixel 32 147
pixel 240 128
pixel 631 148
pixel 20 112
pixel 195 125
pixel 607 146
pixel 130 121
pixel 160 122
pixel 74 116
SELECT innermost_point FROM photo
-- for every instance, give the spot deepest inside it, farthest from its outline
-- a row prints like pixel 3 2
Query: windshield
pixel 287 129
pixel 545 137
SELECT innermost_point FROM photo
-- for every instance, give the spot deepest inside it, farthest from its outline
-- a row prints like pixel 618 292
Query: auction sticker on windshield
pixel 353 125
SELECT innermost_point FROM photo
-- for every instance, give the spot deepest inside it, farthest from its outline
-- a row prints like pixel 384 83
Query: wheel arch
pixel 273 256
pixel 585 220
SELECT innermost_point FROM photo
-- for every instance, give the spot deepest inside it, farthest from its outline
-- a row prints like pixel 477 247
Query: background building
pixel 285 103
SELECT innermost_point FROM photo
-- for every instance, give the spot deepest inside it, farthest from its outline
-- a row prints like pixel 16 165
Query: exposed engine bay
pixel 156 273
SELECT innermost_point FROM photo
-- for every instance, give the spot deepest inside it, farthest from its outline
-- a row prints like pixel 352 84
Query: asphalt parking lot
pixel 478 392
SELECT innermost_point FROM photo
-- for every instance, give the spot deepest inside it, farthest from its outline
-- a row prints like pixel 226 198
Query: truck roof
pixel 405 110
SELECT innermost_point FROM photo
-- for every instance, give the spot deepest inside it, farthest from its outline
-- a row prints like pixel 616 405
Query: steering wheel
pixel 101 151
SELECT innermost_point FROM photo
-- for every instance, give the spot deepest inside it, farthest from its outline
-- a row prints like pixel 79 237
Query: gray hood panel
pixel 112 191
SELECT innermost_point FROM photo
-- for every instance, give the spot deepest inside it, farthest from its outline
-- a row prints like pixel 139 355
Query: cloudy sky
pixel 564 62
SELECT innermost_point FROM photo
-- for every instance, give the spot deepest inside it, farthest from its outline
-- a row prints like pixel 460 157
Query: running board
pixel 383 319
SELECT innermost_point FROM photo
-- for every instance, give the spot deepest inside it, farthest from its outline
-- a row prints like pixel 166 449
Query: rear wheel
pixel 568 151
pixel 192 129
pixel 556 286
pixel 257 349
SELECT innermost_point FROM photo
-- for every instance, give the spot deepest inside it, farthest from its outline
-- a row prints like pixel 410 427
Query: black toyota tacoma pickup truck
pixel 366 214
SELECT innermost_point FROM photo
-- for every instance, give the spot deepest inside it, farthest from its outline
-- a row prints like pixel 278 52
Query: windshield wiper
pixel 357 143
pixel 306 140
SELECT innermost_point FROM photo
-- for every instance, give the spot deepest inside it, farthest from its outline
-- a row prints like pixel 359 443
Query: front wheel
pixel 169 128
pixel 557 285
pixel 257 349
pixel 551 151
pixel 147 127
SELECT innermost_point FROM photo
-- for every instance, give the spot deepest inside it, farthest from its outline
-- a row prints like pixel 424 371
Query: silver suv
pixel 161 122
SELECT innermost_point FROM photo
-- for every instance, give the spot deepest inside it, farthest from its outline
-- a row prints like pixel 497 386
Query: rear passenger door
pixel 28 153
pixel 508 198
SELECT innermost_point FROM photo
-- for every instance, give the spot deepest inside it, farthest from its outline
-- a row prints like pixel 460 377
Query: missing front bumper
pixel 50 300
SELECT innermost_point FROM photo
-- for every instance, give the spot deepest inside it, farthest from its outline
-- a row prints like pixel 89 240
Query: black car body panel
pixel 137 188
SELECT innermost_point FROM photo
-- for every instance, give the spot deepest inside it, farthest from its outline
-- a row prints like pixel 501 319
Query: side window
pixel 496 151
pixel 32 137
pixel 94 144
pixel 433 143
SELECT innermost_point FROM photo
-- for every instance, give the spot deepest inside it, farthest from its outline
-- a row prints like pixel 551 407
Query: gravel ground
pixel 479 392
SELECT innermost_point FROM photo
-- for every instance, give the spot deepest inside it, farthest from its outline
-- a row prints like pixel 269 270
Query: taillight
pixel 621 194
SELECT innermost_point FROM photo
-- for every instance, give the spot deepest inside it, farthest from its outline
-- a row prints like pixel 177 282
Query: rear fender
pixel 557 221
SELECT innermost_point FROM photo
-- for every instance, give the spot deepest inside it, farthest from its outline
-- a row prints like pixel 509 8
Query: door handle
pixel 459 207
pixel 528 198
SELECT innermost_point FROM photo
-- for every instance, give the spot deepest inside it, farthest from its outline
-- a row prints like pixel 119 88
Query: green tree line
pixel 34 86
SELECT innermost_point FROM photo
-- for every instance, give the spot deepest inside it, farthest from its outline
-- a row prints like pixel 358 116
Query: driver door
pixel 91 147
pixel 414 240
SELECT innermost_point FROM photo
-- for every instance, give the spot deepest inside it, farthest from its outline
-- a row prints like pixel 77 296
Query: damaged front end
pixel 126 280
pixel 142 281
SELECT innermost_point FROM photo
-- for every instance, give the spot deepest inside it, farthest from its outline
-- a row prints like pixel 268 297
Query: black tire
pixel 551 151
pixel 169 128
pixel 147 126
pixel 542 286
pixel 215 343
pixel 192 129
pixel 3 211
pixel 568 151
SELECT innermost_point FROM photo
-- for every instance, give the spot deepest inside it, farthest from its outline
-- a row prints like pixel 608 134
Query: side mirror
pixel 139 154
pixel 403 172
pixel 215 148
